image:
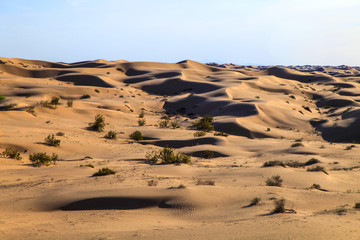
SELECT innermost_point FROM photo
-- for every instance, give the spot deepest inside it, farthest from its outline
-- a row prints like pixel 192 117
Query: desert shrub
pixel 357 205
pixel 85 96
pixel 167 156
pixel 208 154
pixel 279 206
pixel 142 122
pixel 311 162
pixel 137 136
pixel 41 158
pixel 70 103
pixel 60 134
pixel 54 101
pixel 315 186
pixel 204 123
pixel 199 134
pixel 50 140
pixel 255 201
pixel 297 144
pixel 31 110
pixel 120 69
pixel 142 114
pixel 7 107
pixel 103 172
pixel 273 163
pixel 316 169
pixel 274 181
pixel 174 124
pixel 11 152
pixel 111 135
pixel 98 124
pixel 152 183
pixel 295 164
pixel 164 123
pixel 221 134
pixel 166 117
pixel 2 62
pixel 47 104
pixel 97 90
pixel 349 147
pixel 181 186
pixel 87 165
pixel 205 182
pixel 2 98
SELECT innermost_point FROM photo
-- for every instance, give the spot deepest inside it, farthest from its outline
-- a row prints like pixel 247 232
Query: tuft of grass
pixel 7 107
pixel 97 90
pixel 311 161
pixel 98 124
pixel 164 123
pixel 103 172
pixel 11 152
pixel 221 134
pixel 31 110
pixel 142 122
pixel 142 114
pixel 199 134
pixel 2 98
pixel 85 96
pixel 315 186
pixel 47 104
pixel 208 154
pixel 274 181
pixel 181 186
pixel 357 206
pixel 87 165
pixel 41 158
pixel 54 101
pixel 111 135
pixel 50 140
pixel 255 201
pixel 152 183
pixel 174 124
pixel 297 144
pixel 204 123
pixel 137 136
pixel 205 182
pixel 316 169
pixel 167 156
pixel 70 103
pixel 273 163
pixel 279 206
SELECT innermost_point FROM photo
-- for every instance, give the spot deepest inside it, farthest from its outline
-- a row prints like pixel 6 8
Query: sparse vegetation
pixel 50 140
pixel 98 124
pixel 103 172
pixel 205 182
pixel 41 158
pixel 279 206
pixel 199 134
pixel 297 144
pixel 60 134
pixel 54 101
pixel 274 181
pixel 164 123
pixel 111 135
pixel 357 206
pixel 221 134
pixel 273 163
pixel 70 103
pixel 311 161
pixel 152 183
pixel 31 110
pixel 349 147
pixel 85 96
pixel 137 136
pixel 316 169
pixel 181 186
pixel 174 124
pixel 142 114
pixel 255 201
pixel 2 62
pixel 97 90
pixel 142 122
pixel 47 104
pixel 208 154
pixel 167 156
pixel 11 152
pixel 315 186
pixel 204 123
pixel 87 165
pixel 7 107
pixel 2 98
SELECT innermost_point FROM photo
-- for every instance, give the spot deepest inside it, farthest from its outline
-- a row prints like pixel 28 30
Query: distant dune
pixel 268 120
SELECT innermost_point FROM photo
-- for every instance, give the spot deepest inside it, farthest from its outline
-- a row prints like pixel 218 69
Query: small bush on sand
pixel 255 201
pixel 85 96
pixel 349 147
pixel 316 169
pixel 98 124
pixel 279 206
pixel 274 181
pixel 111 135
pixel 164 123
pixel 208 154
pixel 7 107
pixel 47 104
pixel 152 183
pixel 174 124
pixel 54 101
pixel 357 205
pixel 50 140
pixel 11 152
pixel 204 123
pixel 167 156
pixel 142 114
pixel 142 122
pixel 41 158
pixel 70 103
pixel 273 163
pixel 2 98
pixel 205 182
pixel 311 162
pixel 221 134
pixel 87 165
pixel 104 172
pixel 199 134
pixel 137 136
pixel 181 186
pixel 297 144
pixel 315 186
pixel 60 134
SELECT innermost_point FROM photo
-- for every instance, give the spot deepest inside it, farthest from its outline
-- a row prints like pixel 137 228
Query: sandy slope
pixel 265 111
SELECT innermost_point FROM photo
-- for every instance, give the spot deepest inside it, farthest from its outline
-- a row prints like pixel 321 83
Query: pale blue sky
pixel 259 32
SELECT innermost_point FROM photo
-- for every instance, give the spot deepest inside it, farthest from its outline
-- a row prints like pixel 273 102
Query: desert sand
pixel 284 114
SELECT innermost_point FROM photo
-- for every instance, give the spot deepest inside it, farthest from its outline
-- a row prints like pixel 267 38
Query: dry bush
pixel 274 181
pixel 98 124
pixel 50 140
pixel 167 156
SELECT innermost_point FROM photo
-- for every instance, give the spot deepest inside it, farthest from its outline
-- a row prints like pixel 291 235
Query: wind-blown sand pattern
pixel 270 113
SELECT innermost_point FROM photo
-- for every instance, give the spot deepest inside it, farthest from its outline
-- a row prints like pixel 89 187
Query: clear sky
pixel 259 32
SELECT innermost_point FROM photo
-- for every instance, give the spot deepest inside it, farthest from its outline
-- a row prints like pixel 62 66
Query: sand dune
pixel 296 119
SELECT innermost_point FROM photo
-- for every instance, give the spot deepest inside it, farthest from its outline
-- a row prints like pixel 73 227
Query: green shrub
pixel 137 136
pixel 199 134
pixel 47 104
pixel 152 183
pixel 311 162
pixel 273 163
pixel 204 123
pixel 142 114
pixel 31 110
pixel 164 123
pixel 221 134
pixel 7 107
pixel 50 140
pixel 142 122
pixel 104 172
pixel 167 156
pixel 11 152
pixel 2 98
pixel 111 135
pixel 295 164
pixel 205 182
pixel 357 205
pixel 41 158
pixel 174 124
pixel 274 181
pixel 97 90
pixel 98 124
pixel 54 101
pixel 316 169
pixel 70 103
pixel 279 206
